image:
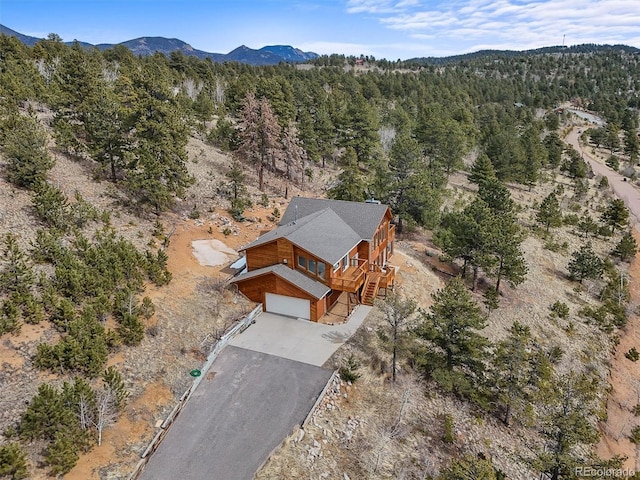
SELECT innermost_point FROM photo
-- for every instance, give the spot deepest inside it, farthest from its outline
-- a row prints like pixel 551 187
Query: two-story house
pixel 320 249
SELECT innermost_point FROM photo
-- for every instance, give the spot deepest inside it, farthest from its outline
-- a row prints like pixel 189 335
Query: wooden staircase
pixel 371 286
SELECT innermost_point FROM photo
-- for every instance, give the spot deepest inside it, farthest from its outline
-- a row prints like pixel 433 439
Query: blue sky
pixel 389 29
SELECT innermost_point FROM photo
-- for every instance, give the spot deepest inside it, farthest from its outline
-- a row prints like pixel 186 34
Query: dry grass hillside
pixel 369 429
pixel 190 312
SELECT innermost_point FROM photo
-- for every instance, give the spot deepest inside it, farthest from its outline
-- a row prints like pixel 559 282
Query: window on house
pixel 311 266
pixel 321 270
pixel 302 262
pixel 345 262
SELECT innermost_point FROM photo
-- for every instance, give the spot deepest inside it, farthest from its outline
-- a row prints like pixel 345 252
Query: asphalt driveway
pixel 248 402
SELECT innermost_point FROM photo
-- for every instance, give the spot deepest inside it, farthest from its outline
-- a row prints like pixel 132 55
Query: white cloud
pixel 506 24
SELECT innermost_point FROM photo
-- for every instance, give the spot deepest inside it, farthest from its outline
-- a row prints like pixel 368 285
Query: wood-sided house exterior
pixel 320 249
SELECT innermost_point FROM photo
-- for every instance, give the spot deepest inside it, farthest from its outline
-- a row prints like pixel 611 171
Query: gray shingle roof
pixel 327 237
pixel 323 234
pixel 363 218
pixel 309 285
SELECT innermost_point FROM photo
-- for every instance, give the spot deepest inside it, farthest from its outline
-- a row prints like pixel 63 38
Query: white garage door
pixel 291 306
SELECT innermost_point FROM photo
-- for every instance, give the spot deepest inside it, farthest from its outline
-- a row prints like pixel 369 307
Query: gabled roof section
pixel 322 233
pixel 312 287
pixel 363 218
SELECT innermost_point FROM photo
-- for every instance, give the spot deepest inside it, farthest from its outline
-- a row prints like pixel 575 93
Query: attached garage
pixel 285 291
pixel 290 306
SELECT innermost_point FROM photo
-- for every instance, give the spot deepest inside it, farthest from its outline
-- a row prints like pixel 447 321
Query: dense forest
pixel 395 131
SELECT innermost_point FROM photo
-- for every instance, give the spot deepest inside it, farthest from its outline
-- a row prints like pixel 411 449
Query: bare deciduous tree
pixel 107 411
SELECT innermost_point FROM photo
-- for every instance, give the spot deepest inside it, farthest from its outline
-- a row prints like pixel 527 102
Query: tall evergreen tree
pixel 567 420
pixel 549 213
pixel 360 129
pixel 585 264
pixel 455 352
pixel 514 376
pixel 108 129
pixel 626 248
pixel 25 147
pixel 350 185
pixel 406 185
pixel 159 173
pixel 615 215
pixel 481 170
pixel 504 246
pixel 259 134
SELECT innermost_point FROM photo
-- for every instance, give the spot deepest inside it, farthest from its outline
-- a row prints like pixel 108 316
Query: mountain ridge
pixel 274 54
pixel 269 55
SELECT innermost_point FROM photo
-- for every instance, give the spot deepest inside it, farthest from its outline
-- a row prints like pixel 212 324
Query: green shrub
pixel 613 162
pixel 349 371
pixel 633 355
pixel 635 434
pixel 604 183
pixel 448 430
pixel 570 219
pixel 13 462
pixel 560 309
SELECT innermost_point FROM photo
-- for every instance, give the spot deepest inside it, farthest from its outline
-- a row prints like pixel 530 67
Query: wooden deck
pixel 350 280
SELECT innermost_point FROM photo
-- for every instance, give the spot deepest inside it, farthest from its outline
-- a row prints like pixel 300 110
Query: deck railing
pixel 351 279
pixel 388 275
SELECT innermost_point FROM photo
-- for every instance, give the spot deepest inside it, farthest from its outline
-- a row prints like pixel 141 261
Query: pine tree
pixel 585 264
pixel 62 453
pixel 157 173
pixel 360 129
pixel 25 148
pixel 13 462
pixel 405 185
pixel 496 195
pixel 536 156
pixel 616 215
pixel 504 249
pixel 52 206
pixel 469 468
pixel 481 170
pixel 45 415
pixel 16 275
pixel 239 194
pixel 554 146
pixel 465 236
pixel 259 134
pixel 350 185
pixel 569 407
pixel 513 376
pixel 626 248
pixel 587 225
pixel 113 382
pixel 456 352
pixel 108 129
pixel 549 213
